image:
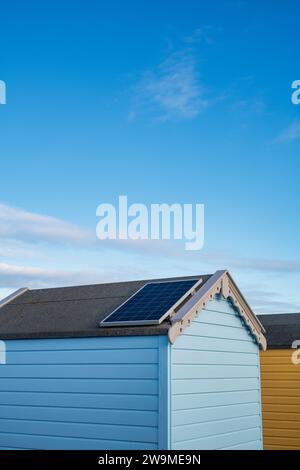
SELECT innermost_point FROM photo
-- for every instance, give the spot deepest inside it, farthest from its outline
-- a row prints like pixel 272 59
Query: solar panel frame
pixel 105 323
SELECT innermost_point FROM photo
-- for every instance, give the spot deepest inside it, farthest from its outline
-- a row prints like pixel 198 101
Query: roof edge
pixel 220 282
pixel 13 296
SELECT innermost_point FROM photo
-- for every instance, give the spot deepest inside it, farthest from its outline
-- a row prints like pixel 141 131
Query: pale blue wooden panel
pixel 102 356
pixel 207 371
pixel 95 386
pixel 213 385
pixel 80 415
pixel 182 417
pixel 81 394
pixel 202 400
pixel 66 443
pixel 87 431
pixel 213 344
pixel 213 357
pixel 62 344
pixel 210 428
pixel 218 318
pixel 215 382
pixel 88 371
pixel 252 445
pixel 221 440
pixel 94 400
pixel 219 304
pixel 218 331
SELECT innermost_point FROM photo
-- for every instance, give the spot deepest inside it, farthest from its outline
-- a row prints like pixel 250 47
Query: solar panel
pixel 152 303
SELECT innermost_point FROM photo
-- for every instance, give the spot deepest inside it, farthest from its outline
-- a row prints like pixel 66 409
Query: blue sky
pixel 162 101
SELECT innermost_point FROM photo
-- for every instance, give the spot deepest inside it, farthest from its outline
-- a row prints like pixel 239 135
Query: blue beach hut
pixel 167 364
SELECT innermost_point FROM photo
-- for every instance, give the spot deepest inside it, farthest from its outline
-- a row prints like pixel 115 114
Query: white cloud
pixel 26 226
pixel 173 89
pixel 14 276
pixel 291 133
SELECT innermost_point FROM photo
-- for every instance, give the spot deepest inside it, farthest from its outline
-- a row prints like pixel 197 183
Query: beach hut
pixel 280 376
pixel 159 364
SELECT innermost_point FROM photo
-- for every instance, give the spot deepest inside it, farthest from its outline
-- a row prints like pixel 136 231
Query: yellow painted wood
pixel 280 381
pixel 271 399
pixel 276 353
pixel 279 417
pixel 286 368
pixel 281 392
pixel 280 388
pixel 290 408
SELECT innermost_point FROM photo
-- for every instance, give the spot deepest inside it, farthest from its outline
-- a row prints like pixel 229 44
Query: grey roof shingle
pixel 281 329
pixel 73 311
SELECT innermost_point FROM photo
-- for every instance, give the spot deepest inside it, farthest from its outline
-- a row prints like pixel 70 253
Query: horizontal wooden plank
pixel 203 400
pixel 222 442
pixel 193 371
pixel 81 400
pixel 279 384
pixel 193 431
pixel 128 386
pixel 88 371
pixel 27 441
pixel 277 360
pixel 281 432
pixel 219 305
pixel 275 352
pixel 195 343
pixel 280 376
pixel 181 356
pixel 281 408
pixel 281 423
pixel 282 441
pixel 219 318
pixel 105 356
pixel 279 395
pixel 252 445
pixel 281 368
pixel 183 417
pixel 218 331
pixel 219 440
pixel 80 415
pixel 213 385
pixel 111 342
pixel 87 431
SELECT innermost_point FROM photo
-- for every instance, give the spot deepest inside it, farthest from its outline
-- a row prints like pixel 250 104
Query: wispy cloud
pixel 172 250
pixel 290 134
pixel 266 301
pixel 173 90
pixel 20 225
pixel 265 264
pixel 14 276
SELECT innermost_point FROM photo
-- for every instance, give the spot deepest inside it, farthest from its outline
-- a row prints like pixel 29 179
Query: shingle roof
pixel 281 329
pixel 73 311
